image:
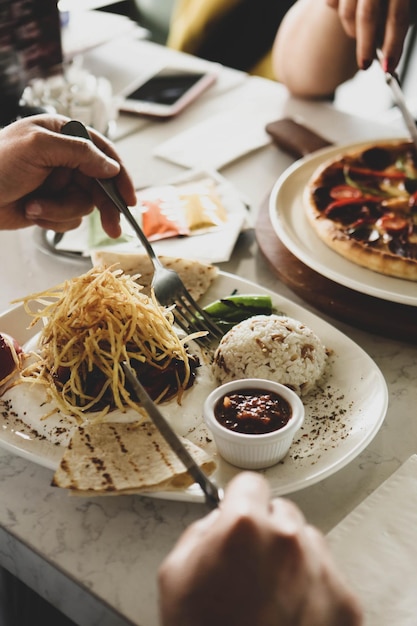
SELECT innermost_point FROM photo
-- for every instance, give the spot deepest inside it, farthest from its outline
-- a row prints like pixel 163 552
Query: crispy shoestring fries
pixel 93 322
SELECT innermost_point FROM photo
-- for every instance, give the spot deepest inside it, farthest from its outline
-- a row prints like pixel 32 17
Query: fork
pixel 167 285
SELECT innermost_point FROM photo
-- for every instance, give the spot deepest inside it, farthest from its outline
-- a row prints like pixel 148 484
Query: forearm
pixel 312 54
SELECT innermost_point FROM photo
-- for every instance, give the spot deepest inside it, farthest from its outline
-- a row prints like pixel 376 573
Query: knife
pixel 394 83
pixel 212 493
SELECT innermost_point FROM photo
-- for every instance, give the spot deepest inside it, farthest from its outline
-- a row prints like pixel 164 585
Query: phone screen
pixel 166 87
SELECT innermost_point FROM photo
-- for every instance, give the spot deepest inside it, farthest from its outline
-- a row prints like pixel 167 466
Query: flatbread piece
pixel 113 458
pixel 196 276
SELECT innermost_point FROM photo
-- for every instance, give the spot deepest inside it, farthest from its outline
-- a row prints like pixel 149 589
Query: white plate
pixel 338 425
pixel 292 227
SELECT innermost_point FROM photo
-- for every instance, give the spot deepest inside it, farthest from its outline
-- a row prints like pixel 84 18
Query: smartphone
pixel 167 92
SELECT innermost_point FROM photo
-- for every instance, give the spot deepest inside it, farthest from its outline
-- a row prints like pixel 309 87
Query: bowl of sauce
pixel 253 421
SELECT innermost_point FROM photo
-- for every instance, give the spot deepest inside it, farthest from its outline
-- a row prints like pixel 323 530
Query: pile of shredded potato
pixel 98 320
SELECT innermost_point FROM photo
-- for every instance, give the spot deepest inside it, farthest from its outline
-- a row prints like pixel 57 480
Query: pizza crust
pixel 376 260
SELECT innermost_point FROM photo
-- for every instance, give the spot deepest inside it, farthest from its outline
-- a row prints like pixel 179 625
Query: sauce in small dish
pixel 253 421
pixel 253 411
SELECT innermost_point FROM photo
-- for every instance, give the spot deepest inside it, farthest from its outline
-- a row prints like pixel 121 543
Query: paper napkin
pixel 376 549
pixel 224 137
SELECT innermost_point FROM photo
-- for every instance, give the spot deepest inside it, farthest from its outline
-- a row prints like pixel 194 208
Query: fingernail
pixel 111 167
pixel 33 209
pixel 388 64
pixel 366 63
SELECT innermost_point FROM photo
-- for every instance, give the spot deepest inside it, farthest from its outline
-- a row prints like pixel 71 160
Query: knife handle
pixel 294 138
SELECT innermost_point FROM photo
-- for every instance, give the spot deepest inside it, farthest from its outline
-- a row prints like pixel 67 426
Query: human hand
pixel 253 561
pixel 375 24
pixel 47 178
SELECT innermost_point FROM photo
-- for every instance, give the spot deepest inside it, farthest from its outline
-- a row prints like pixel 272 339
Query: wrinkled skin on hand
pixel 47 178
pixel 253 561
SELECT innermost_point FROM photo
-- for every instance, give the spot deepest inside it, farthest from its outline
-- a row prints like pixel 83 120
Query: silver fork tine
pixel 203 340
pixel 192 308
pixel 186 310
pixel 185 315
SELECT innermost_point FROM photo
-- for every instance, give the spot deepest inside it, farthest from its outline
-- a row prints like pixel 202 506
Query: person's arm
pixel 322 43
pixel 253 561
pixel 47 178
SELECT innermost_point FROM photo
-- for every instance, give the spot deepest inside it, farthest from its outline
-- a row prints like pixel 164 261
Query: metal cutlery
pixel 168 286
pixel 48 240
pixel 212 493
pixel 394 83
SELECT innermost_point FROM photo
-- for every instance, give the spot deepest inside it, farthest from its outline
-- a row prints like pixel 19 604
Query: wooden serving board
pixel 390 319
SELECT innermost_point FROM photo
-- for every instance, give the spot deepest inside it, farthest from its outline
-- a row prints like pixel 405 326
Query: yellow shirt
pixel 236 33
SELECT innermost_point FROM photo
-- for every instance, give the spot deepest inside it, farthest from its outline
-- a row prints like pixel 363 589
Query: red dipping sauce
pixel 253 411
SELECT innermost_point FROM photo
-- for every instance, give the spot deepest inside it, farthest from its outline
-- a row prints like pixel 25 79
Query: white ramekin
pixel 253 451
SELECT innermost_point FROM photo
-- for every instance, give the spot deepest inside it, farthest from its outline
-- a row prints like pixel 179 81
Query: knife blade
pixel 212 494
pixel 393 82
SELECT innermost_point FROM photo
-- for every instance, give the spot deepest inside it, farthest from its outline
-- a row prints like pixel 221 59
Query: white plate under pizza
pixel 291 224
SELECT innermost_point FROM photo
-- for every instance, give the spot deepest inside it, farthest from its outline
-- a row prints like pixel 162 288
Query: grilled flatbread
pixel 196 276
pixel 124 458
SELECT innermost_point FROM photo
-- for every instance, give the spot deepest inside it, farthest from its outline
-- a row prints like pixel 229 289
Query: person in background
pixel 322 43
pixel 47 178
pixel 235 33
pixel 253 561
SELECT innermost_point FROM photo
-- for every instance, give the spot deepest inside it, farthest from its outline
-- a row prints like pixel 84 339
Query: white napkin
pixel 229 135
pixel 376 549
pixel 216 142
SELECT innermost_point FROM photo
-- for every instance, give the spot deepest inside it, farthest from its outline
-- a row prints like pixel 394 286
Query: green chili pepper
pixel 370 191
pixel 403 164
pixel 228 311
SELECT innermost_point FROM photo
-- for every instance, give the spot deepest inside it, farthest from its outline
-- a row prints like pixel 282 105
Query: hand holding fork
pixel 167 285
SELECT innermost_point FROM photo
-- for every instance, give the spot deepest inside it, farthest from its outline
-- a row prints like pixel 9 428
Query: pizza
pixel 363 205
